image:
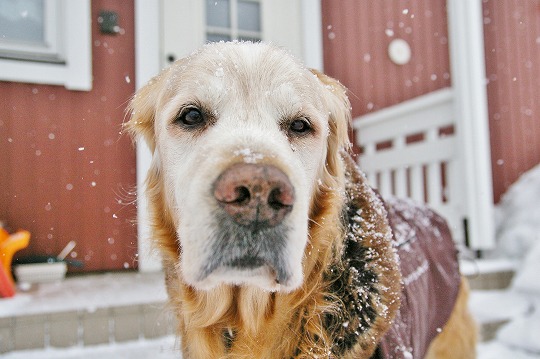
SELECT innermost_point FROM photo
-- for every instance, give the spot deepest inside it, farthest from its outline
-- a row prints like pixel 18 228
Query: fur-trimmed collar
pixel 365 279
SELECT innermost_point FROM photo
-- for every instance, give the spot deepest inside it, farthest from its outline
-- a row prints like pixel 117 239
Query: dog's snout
pixel 255 194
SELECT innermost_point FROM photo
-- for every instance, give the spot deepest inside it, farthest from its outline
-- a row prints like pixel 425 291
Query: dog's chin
pixel 263 277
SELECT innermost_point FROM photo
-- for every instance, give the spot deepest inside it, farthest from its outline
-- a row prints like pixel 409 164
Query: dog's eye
pixel 190 118
pixel 300 126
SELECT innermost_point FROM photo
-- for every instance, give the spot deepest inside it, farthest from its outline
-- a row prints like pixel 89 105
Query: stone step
pixel 85 327
pixel 489 275
pixel 86 310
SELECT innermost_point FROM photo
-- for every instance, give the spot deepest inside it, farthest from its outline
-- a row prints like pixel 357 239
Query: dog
pixel 273 244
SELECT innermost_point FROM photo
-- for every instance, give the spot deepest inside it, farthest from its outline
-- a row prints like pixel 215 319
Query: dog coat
pixel 427 260
pixel 430 279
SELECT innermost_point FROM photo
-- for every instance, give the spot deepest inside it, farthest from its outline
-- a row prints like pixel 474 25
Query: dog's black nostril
pixel 243 195
pixel 274 199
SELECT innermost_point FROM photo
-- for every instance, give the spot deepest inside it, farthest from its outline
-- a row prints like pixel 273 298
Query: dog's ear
pixel 142 110
pixel 339 119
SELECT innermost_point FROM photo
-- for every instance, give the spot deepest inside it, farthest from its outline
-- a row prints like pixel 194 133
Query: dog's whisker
pixel 314 222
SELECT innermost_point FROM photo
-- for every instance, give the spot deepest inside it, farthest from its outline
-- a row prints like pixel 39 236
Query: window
pixel 233 20
pixel 46 41
pixel 29 30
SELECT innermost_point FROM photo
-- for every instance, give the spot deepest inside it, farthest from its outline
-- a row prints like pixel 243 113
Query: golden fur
pixel 248 322
pixel 459 336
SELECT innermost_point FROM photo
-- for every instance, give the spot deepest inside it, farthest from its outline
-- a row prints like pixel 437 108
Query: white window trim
pixel 76 72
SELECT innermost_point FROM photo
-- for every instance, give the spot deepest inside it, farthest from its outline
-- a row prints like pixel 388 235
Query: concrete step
pixel 492 276
pixel 120 307
pixel 86 310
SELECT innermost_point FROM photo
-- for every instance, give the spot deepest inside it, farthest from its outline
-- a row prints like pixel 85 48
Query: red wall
pixel 65 169
pixel 512 46
pixel 356 34
pixel 356 38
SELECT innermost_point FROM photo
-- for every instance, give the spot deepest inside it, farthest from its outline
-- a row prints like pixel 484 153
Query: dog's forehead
pixel 241 70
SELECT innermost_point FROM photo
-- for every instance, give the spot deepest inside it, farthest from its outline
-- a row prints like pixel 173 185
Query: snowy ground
pixel 518 237
pixel 87 292
pixel 163 348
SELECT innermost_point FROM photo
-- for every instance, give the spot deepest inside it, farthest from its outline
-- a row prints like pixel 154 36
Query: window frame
pixel 233 31
pixel 74 37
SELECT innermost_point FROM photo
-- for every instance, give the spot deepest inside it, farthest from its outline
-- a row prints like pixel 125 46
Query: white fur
pixel 250 89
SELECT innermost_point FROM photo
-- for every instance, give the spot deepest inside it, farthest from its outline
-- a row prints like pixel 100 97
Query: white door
pixel 167 30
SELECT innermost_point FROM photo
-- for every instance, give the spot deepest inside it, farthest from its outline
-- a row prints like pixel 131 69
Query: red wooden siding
pixel 356 35
pixel 356 38
pixel 65 169
pixel 512 46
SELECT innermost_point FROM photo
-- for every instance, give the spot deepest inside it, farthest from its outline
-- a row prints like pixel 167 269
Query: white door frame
pixel 147 65
pixel 467 60
pixel 148 54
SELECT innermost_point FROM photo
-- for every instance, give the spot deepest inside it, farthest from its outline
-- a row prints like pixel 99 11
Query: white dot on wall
pixel 69 186
pixel 399 51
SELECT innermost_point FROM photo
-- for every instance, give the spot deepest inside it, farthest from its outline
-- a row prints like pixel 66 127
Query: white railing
pixel 410 150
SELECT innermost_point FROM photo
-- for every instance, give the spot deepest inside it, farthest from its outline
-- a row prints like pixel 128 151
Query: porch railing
pixel 410 150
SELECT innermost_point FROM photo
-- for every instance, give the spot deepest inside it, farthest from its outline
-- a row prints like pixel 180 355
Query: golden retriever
pixel 251 194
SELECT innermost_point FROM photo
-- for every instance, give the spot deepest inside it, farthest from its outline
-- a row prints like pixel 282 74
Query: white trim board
pixel 147 65
pixel 467 60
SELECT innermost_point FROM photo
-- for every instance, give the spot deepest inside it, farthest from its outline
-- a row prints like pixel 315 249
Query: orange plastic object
pixel 9 244
pixel 7 287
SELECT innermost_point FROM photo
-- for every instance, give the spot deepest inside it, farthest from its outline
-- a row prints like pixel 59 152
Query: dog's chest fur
pixel 360 287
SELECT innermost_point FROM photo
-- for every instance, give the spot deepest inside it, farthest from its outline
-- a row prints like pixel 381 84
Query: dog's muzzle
pixel 251 233
pixel 255 195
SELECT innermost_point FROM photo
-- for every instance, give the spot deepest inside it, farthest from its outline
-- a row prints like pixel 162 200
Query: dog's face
pixel 241 135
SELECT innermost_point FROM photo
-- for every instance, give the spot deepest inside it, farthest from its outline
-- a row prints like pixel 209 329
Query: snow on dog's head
pixel 243 136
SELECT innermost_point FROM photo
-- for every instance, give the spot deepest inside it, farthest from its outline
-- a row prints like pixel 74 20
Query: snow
pixel 527 278
pixel 88 292
pixel 491 306
pixel 517 216
pixel 495 350
pixel 518 238
pixel 162 348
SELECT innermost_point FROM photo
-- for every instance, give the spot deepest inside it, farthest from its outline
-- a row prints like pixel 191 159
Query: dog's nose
pixel 255 194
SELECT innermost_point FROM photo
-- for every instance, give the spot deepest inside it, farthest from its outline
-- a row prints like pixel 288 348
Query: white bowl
pixel 40 272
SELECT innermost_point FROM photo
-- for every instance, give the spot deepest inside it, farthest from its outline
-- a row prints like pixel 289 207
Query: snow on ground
pixel 495 350
pixel 517 216
pixel 518 237
pixel 162 348
pixel 87 292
